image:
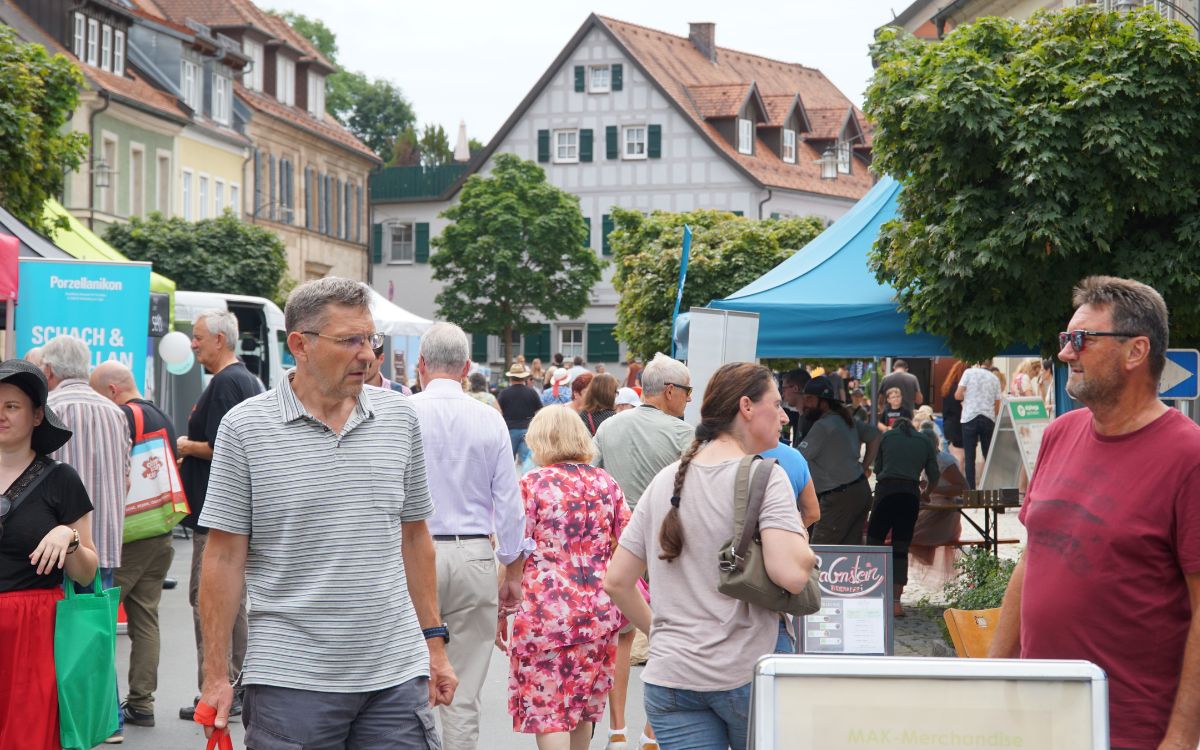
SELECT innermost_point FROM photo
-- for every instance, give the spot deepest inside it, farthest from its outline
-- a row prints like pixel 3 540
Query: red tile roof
pixel 325 126
pixel 720 100
pixel 225 13
pixel 679 69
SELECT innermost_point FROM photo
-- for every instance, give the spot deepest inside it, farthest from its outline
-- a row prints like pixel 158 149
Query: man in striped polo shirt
pixel 346 647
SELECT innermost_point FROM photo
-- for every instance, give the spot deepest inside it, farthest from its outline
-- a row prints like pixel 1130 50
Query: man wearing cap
pixel 832 450
pixel 518 403
pixel 468 458
pixel 627 399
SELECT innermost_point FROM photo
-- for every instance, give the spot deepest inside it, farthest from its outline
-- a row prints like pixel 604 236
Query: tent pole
pixel 874 390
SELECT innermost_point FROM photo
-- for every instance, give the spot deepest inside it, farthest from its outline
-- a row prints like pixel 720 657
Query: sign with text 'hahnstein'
pixel 856 603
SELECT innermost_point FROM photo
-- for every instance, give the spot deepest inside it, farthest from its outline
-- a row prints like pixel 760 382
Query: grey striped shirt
pixel 99 452
pixel 329 603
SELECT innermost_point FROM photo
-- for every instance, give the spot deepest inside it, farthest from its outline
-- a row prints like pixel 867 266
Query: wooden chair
pixel 971 630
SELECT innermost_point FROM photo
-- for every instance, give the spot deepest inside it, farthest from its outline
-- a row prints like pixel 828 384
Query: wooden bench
pixel 979 542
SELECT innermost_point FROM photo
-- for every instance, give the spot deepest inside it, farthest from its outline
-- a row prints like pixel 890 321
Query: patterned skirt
pixel 553 691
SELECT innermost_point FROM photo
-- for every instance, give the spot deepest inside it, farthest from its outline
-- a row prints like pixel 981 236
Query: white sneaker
pixel 648 743
pixel 616 741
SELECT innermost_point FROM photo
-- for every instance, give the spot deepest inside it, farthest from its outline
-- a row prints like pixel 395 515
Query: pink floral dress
pixel 564 636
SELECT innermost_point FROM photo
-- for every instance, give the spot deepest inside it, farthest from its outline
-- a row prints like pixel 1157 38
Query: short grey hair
pixel 220 321
pixel 1136 308
pixel 445 348
pixel 306 305
pixel 68 356
pixel 660 371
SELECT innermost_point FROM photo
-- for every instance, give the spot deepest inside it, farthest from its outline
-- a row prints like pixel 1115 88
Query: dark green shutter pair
pixel 538 344
pixel 616 77
pixel 585 145
pixel 612 142
pixel 602 346
pixel 421 251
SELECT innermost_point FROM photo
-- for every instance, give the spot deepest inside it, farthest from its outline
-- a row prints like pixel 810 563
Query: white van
pixel 262 346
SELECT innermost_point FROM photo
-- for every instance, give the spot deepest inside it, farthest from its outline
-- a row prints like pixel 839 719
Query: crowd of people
pixel 358 549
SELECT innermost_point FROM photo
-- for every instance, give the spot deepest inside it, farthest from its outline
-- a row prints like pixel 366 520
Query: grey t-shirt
pixel 832 450
pixel 636 444
pixel 906 382
pixel 701 639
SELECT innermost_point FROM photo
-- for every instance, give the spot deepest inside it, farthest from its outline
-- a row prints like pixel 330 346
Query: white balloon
pixel 175 347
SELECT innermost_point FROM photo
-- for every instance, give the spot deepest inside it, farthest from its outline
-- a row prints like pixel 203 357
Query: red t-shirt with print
pixel 1114 526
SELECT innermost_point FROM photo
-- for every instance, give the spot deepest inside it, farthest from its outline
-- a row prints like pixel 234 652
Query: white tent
pixel 393 319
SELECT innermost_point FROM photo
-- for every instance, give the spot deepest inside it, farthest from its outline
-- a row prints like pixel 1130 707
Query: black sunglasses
pixel 1078 337
pixel 686 388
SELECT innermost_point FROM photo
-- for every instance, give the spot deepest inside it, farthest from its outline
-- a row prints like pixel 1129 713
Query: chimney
pixel 704 37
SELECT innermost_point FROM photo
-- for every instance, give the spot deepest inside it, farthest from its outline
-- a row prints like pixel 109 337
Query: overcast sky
pixel 475 60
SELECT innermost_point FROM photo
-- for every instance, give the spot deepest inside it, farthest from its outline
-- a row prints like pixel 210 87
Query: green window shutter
pixel 738 213
pixel 479 342
pixel 606 227
pixel 585 145
pixel 774 214
pixel 587 241
pixel 377 244
pixel 654 141
pixel 601 344
pixel 579 73
pixel 421 252
pixel 616 76
pixel 611 145
pixel 543 145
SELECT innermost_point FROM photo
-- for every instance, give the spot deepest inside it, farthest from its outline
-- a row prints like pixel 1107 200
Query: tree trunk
pixel 508 354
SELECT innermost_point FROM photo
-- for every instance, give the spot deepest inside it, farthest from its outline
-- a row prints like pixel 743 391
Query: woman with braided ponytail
pixel 703 644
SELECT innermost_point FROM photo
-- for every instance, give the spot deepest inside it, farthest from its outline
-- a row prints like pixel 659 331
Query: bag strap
pixel 753 490
pixel 591 422
pixel 139 423
pixel 49 464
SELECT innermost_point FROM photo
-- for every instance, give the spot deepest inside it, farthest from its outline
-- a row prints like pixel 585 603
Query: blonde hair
pixel 890 391
pixel 923 414
pixel 557 435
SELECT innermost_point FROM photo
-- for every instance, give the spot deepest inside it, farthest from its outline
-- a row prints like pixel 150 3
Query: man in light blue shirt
pixel 473 483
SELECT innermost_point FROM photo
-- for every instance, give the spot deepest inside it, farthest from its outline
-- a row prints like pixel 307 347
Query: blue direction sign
pixel 1180 379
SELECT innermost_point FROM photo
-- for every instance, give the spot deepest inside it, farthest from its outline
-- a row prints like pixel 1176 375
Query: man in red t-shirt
pixel 1111 572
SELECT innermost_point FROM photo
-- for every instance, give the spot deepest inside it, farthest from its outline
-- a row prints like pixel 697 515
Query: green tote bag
pixel 85 645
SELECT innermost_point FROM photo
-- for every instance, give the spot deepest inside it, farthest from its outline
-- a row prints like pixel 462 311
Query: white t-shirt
pixel 700 639
pixel 982 392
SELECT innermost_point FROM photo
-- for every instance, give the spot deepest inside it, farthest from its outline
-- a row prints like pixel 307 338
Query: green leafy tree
pixel 314 30
pixel 1034 154
pixel 517 246
pixel 475 146
pixel 435 146
pixel 212 255
pixel 406 152
pixel 727 253
pixel 38 93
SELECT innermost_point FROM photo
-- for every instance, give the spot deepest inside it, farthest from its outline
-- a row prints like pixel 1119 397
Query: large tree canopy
pixel 1034 154
pixel 37 95
pixel 516 247
pixel 727 253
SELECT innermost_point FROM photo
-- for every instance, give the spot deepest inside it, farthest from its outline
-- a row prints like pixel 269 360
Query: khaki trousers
pixel 144 565
pixel 467 596
pixel 237 653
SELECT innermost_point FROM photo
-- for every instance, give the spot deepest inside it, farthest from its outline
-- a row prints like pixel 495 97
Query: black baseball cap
pixel 821 387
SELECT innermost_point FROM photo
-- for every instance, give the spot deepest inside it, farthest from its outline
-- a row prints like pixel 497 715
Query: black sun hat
pixel 821 387
pixel 51 434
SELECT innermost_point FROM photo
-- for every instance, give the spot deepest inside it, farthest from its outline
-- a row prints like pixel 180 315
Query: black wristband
pixel 441 631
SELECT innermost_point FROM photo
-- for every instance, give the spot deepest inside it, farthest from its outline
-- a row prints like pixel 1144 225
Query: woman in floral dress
pixel 564 636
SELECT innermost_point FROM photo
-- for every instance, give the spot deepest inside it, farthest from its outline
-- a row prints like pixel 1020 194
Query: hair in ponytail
pixel 722 402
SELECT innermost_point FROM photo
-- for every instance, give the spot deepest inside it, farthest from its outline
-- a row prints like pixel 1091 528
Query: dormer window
pixel 843 157
pixel 222 104
pixel 119 52
pixel 80 35
pixel 106 48
pixel 599 79
pixel 93 42
pixel 745 136
pixel 789 145
pixel 253 78
pixel 190 84
pixel 316 94
pixel 285 80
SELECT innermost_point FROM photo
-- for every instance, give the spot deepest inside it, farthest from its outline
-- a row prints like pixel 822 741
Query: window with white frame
pixel 80 35
pixel 119 52
pixel 163 184
pixel 137 180
pixel 190 85
pixel 203 195
pixel 285 80
pixel 93 42
pixel 635 142
pixel 745 136
pixel 253 78
pixel 570 342
pixel 235 200
pixel 843 157
pixel 789 145
pixel 316 94
pixel 403 246
pixel 566 146
pixel 106 47
pixel 599 79
pixel 218 197
pixel 187 195
pixel 222 103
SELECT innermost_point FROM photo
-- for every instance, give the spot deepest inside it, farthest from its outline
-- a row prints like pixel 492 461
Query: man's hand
pixel 218 694
pixel 182 446
pixel 509 586
pixel 442 680
pixel 502 634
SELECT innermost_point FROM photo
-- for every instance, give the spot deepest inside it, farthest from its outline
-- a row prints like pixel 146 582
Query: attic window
pixel 843 157
pixel 119 52
pixel 599 79
pixel 80 35
pixel 745 143
pixel 789 145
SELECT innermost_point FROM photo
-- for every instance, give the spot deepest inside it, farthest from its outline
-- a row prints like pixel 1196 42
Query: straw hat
pixel 518 372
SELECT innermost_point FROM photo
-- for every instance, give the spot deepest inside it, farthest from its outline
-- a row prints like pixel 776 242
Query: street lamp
pixel 101 172
pixel 828 162
pixel 1123 6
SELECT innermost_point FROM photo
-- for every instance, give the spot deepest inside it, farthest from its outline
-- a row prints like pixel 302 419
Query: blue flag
pixel 683 264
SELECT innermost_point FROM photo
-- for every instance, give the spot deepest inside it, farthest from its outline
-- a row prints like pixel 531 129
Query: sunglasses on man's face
pixel 1078 337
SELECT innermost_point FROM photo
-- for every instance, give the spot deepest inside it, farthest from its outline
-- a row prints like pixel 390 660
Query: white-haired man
pixel 633 446
pixel 214 336
pixel 469 459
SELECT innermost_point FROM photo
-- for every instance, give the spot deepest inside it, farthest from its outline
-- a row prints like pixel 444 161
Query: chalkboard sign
pixel 856 603
pixel 160 314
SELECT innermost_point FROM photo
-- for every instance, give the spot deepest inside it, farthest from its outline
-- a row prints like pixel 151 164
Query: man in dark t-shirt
pixel 213 337
pixel 145 562
pixel 518 403
pixel 910 387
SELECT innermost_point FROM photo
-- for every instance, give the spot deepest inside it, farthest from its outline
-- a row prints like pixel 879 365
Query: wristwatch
pixel 74 545
pixel 441 631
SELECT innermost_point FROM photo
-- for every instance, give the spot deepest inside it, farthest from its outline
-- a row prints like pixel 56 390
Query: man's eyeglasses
pixel 1077 338
pixel 686 388
pixel 374 340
